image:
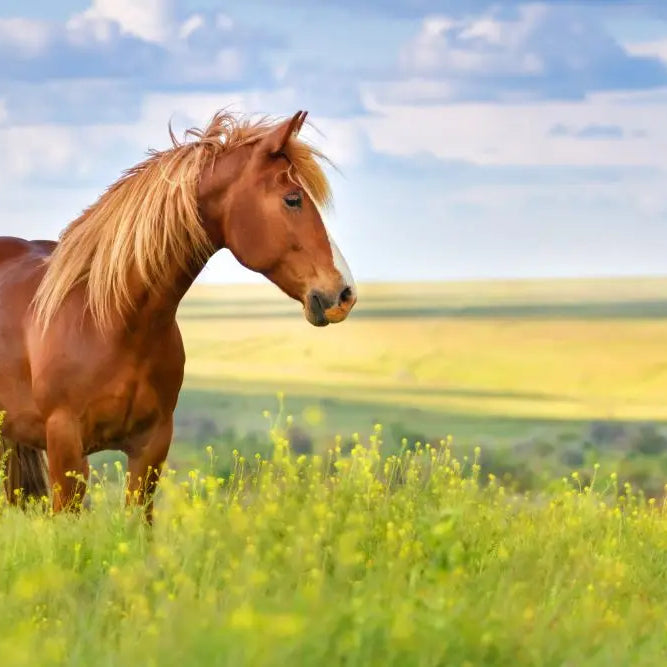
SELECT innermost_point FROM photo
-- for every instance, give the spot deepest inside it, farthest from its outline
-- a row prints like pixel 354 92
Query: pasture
pixel 420 559
pixel 358 545
pixel 492 364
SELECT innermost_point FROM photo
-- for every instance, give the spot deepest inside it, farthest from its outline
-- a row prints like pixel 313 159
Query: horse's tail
pixel 25 472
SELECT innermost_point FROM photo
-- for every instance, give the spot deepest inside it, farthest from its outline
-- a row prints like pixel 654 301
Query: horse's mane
pixel 148 221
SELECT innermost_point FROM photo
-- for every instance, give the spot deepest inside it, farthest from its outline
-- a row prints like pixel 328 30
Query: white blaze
pixel 341 265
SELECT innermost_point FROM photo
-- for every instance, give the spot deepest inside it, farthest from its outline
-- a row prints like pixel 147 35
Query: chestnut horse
pixel 91 357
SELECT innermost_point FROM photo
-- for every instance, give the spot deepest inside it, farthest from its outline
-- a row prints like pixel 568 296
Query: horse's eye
pixel 293 200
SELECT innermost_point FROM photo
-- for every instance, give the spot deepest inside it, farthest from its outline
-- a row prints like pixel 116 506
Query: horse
pixel 91 356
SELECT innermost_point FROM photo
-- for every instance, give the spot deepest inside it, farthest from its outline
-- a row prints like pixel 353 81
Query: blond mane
pixel 148 221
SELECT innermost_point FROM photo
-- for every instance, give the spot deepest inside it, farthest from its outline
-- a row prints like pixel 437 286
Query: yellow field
pixel 551 552
pixel 564 350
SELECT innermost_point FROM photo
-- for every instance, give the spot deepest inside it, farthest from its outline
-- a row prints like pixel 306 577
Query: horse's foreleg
pixel 67 464
pixel 145 467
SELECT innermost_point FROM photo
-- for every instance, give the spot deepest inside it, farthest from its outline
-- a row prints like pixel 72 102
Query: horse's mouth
pixel 321 310
pixel 315 313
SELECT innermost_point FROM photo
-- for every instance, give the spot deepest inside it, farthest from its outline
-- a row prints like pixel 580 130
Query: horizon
pixel 630 277
pixel 262 282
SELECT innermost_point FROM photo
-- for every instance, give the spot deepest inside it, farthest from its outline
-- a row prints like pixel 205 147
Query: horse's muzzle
pixel 324 308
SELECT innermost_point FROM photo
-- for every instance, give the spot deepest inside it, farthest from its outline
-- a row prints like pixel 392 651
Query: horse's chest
pixel 122 416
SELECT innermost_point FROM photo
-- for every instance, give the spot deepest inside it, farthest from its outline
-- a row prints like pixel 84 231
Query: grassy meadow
pixel 417 559
pixel 460 474
pixel 565 350
pixel 556 372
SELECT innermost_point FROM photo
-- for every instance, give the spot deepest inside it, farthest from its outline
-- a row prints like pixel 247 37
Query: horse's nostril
pixel 345 295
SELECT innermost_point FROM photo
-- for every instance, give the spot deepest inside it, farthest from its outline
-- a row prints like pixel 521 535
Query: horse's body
pixel 91 357
pixel 72 384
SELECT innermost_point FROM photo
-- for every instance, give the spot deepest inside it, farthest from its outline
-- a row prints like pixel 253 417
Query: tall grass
pixel 359 559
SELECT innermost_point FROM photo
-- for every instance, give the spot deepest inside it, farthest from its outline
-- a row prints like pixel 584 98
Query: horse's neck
pixel 213 183
pixel 153 310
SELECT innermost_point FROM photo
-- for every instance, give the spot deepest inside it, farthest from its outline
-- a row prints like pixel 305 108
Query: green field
pixel 420 560
pixel 491 363
pixel 379 535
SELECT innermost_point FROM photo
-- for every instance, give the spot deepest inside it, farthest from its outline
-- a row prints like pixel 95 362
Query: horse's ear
pixel 275 141
pixel 301 122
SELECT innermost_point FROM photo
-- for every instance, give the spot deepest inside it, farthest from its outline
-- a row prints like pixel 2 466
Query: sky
pixel 472 139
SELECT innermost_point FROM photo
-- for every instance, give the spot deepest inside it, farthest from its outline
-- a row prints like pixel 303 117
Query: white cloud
pixel 343 141
pixel 224 22
pixel 523 134
pixel 26 38
pixel 44 151
pixel 651 49
pixel 229 64
pixel 480 134
pixel 484 45
pixel 151 44
pixel 190 25
pixel 542 50
pixel 149 20
pixel 416 90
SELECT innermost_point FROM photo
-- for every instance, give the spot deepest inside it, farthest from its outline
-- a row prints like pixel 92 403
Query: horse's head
pixel 262 202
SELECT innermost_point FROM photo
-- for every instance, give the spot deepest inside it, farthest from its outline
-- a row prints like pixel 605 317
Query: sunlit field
pixel 420 559
pixel 328 501
pixel 486 362
pixel 565 350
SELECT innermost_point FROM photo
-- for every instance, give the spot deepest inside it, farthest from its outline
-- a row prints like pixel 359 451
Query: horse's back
pixel 12 248
pixel 21 268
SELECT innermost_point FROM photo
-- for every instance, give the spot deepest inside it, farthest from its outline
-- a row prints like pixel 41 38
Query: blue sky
pixel 475 139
